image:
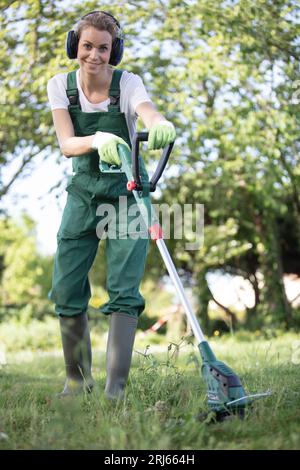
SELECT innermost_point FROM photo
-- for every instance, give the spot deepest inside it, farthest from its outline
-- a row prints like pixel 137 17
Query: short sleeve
pixel 56 89
pixel 133 92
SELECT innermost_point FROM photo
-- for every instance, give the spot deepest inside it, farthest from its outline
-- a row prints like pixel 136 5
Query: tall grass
pixel 164 397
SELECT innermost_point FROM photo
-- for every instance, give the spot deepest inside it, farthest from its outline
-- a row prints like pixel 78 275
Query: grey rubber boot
pixel 118 353
pixel 76 344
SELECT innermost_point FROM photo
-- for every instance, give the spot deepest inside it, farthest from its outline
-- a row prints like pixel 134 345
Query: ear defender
pixel 117 45
pixel 72 44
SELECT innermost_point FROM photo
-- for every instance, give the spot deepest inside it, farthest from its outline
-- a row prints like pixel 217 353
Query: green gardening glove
pixel 161 134
pixel 107 146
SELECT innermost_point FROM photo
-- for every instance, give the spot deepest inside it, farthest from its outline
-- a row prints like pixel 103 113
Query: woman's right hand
pixel 107 146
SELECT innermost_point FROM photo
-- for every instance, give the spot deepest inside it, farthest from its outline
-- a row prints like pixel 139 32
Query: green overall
pixel 89 190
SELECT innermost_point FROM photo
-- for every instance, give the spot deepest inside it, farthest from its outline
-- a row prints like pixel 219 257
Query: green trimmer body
pixel 225 392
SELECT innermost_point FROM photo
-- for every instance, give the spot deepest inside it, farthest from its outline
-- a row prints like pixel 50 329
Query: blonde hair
pixel 99 20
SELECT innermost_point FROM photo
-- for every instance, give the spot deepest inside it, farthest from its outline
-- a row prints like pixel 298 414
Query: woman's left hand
pixel 161 134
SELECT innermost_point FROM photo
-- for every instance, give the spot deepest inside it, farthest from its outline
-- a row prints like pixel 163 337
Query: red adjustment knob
pixel 155 232
pixel 131 185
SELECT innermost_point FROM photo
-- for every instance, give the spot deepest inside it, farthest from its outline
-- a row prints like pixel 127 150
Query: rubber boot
pixel 118 353
pixel 76 344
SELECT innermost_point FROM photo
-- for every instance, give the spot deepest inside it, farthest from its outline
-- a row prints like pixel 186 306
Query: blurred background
pixel 226 73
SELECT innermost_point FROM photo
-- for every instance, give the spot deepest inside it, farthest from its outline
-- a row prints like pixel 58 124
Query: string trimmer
pixel 225 392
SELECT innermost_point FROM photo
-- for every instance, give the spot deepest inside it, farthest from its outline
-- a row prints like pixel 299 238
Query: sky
pixel 31 195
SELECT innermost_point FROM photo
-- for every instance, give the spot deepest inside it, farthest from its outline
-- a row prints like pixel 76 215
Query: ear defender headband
pixel 117 44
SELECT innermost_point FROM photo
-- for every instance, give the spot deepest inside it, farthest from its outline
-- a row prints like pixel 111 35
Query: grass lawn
pixel 164 396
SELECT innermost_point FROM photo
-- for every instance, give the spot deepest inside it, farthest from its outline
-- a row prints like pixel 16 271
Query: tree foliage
pixel 227 74
pixel 25 274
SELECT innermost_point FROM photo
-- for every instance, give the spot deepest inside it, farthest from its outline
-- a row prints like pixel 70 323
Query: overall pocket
pixel 78 217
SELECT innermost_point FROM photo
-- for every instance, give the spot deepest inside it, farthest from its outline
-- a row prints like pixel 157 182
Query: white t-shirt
pixel 132 93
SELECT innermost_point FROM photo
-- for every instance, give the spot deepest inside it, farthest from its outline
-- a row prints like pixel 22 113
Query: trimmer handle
pixel 143 137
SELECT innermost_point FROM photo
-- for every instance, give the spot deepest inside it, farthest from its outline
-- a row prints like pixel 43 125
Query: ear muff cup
pixel 72 45
pixel 117 49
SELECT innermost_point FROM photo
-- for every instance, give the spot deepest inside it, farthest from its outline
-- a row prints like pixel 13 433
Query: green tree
pixel 226 73
pixel 25 273
pixel 234 66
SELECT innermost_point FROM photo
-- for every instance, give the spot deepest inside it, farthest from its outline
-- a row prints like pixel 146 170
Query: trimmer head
pixel 225 393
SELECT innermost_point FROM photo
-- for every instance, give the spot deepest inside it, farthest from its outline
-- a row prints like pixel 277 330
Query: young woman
pixel 94 109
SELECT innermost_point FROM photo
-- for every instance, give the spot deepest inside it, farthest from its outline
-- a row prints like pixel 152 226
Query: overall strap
pixel 114 91
pixel 72 91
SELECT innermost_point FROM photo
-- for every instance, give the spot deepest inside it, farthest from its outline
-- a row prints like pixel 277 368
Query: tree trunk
pixel 203 295
pixel 176 325
pixel 273 304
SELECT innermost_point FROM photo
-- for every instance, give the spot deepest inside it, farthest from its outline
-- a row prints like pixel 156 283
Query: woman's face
pixel 94 48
